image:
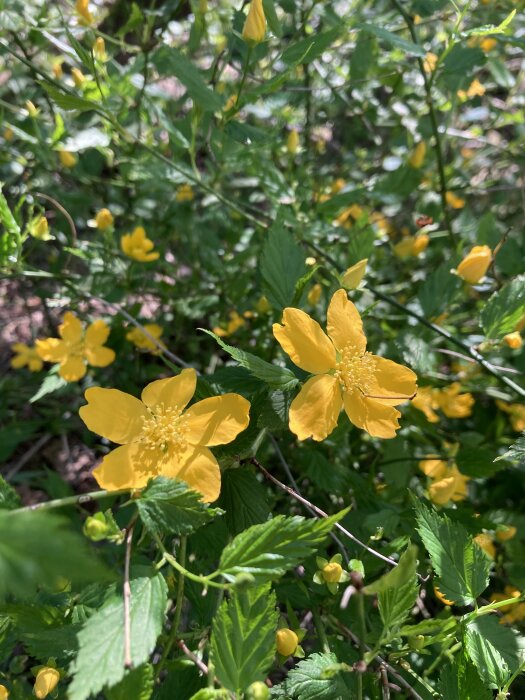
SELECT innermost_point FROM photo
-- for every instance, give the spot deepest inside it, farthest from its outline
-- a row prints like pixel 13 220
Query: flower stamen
pixel 165 429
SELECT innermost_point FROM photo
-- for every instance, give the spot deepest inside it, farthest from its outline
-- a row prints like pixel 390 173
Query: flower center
pixel 355 371
pixel 164 429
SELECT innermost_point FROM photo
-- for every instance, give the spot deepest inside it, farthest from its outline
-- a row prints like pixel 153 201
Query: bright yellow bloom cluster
pixel 411 246
pixel 513 613
pixel 448 484
pixel 286 641
pixel 184 193
pixel 104 219
pixel 46 681
pixel 157 437
pixel 475 264
pixel 26 356
pixel 254 28
pixel 516 412
pixel 138 246
pixel 450 400
pixel 345 374
pixel 235 322
pixel 76 349
pixel 141 340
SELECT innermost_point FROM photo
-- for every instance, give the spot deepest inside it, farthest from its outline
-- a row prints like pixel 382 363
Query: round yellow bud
pixel 258 691
pixel 40 229
pixel 332 572
pixel 46 681
pixel 513 340
pixel 104 219
pixel 286 641
pixel 4 693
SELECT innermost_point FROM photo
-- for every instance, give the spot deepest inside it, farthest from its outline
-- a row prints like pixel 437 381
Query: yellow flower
pixel 506 532
pixel 314 294
pixel 382 223
pixel 141 341
pixel 39 228
pixel 8 133
pixel 26 356
pixel 345 374
pixel 57 69
pixel 286 642
pixel 430 62
pixel 138 246
pixel 487 44
pixel 292 142
pixel 158 438
pixel 254 28
pixel 434 467
pixel 486 543
pixel 454 201
pixel 236 321
pixel 184 193
pixel 417 158
pixel 451 487
pixel 352 278
pixel 441 597
pixel 68 160
pixel 354 211
pixel 513 340
pixel 337 185
pixel 474 266
pixel 99 49
pixel 104 219
pixel 411 246
pixel 516 412
pixel 46 681
pixel 78 77
pixel 453 403
pixel 82 7
pixel 76 349
pixel 475 89
pixel 4 693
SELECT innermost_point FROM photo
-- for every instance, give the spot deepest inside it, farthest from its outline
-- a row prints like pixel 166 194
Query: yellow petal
pixel 475 265
pixel 378 419
pixel 128 467
pixel 199 469
pixel 97 333
pixel 71 328
pixel 434 468
pixel 51 349
pixel 73 368
pixel 392 383
pixel 217 420
pixel 441 491
pixel 344 323
pixel 173 392
pixel 113 414
pixel 425 401
pixel 305 342
pixel 99 356
pixel 315 410
pixel 353 276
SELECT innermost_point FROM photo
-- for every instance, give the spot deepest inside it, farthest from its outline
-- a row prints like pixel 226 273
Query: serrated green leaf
pixel 319 677
pixel 508 641
pixel 51 383
pixel 138 683
pixel 282 265
pixel 516 452
pixel 273 375
pixel 168 506
pixel 243 499
pixel 460 681
pixel 10 240
pixel 268 550
pixel 394 40
pixel 461 565
pixel 486 658
pixel 243 638
pixel 100 660
pixel 504 309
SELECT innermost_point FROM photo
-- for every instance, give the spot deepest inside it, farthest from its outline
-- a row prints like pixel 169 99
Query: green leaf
pixel 273 375
pixel 319 677
pixel 363 56
pixel 268 550
pixel 509 643
pixel 489 662
pixel 243 638
pixel 459 63
pixel 137 684
pixel 100 660
pixel 476 462
pixel 10 240
pixel 170 62
pixel 169 506
pixel 69 102
pixel 308 49
pixel 461 565
pixel 491 28
pixel 51 383
pixel 516 452
pixel 9 499
pixel 397 590
pixel 243 498
pixel 504 309
pixel 460 681
pixel 394 40
pixel 282 265
pixel 438 290
pixel 272 18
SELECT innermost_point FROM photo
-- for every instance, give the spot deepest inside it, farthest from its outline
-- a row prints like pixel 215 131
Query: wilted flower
pixel 255 25
pixel 138 246
pixel 46 681
pixel 26 356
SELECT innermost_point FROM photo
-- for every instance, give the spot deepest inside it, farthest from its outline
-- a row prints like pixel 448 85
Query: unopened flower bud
pixel 255 25
pixel 68 160
pixel 332 572
pixel 99 49
pixel 78 77
pixel 31 109
pixel 292 142
pixel 46 681
pixel 96 527
pixel 286 641
pixel 257 691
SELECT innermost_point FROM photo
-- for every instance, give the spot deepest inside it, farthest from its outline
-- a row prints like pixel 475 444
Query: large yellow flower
pixel 345 374
pixel 76 349
pixel 159 438
pixel 138 246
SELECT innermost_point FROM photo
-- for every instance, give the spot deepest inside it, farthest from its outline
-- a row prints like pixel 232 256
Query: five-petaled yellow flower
pixel 158 437
pixel 138 246
pixel 142 341
pixel 345 374
pixel 255 24
pixel 26 355
pixel 76 349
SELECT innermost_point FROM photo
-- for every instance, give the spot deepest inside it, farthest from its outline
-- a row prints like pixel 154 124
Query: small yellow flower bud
pixel 475 265
pixel 255 25
pixel 104 219
pixel 418 156
pixel 513 340
pixel 263 305
pixel 286 642
pixel 82 7
pixel 68 160
pixel 332 572
pixel 46 681
pixel 95 528
pixel 310 261
pixel 32 110
pixel 257 691
pixel 454 201
pixel 292 142
pixel 57 69
pixel 4 693
pixel 99 49
pixel 40 229
pixel 184 193
pixel 8 133
pixel 78 77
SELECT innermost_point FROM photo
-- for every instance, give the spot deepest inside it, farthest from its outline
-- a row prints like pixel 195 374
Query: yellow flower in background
pixel 46 681
pixel 441 597
pixel 76 349
pixel 99 49
pixel 32 110
pixel 292 142
pixel 426 401
pixel 345 374
pixel 417 158
pixel 236 321
pixel 337 185
pixel 254 28
pixel 352 278
pixel 141 340
pixel 486 542
pixel 57 69
pixel 448 484
pixel 104 219
pixel 26 356
pixel 506 532
pixel 475 264
pixel 411 246
pixel 286 642
pixel 82 7
pixel 382 223
pixel 138 246
pixel 349 215
pixel 475 89
pixel 487 44
pixel 78 77
pixel 157 437
pixel 184 193
pixel 430 62
pixel 9 134
pixel 453 403
pixel 516 412
pixel 454 201
pixel 514 613
pixel 67 159
pixel 4 693
pixel 513 340
pixel 314 294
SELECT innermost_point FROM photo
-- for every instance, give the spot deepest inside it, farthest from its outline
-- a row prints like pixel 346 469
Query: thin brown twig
pixel 64 212
pixel 385 688
pixel 127 599
pixel 200 664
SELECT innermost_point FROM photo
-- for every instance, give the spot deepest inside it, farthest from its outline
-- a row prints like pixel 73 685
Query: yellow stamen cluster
pixel 355 371
pixel 165 429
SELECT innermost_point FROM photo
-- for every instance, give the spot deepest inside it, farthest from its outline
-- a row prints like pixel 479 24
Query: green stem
pixel 205 581
pixel 361 621
pixel 243 77
pixel 72 500
pixel 178 608
pixel 486 609
pixel 321 632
